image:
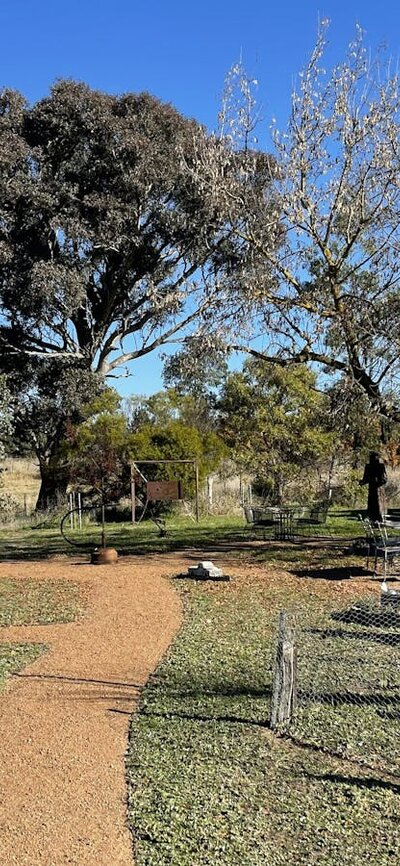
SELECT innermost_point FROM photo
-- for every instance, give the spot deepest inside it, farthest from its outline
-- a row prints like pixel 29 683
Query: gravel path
pixel 64 719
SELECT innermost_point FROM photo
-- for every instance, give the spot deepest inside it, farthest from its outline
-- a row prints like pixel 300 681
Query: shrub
pixel 9 506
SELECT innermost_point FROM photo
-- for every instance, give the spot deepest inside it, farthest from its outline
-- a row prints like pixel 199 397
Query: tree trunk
pixel 279 489
pixel 53 487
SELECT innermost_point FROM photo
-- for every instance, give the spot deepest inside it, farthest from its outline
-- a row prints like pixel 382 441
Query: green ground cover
pixel 349 683
pixel 211 785
pixel 13 657
pixel 33 602
pixel 38 602
pixel 42 542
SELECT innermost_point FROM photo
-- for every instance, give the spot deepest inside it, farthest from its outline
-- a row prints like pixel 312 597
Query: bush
pixel 9 506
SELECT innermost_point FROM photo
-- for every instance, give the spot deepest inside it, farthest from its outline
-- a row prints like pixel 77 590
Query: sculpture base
pixel 104 556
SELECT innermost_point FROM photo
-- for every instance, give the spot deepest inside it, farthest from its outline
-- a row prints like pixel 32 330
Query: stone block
pixel 206 570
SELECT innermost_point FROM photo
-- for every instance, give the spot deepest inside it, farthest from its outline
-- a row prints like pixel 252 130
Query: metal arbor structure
pixel 158 490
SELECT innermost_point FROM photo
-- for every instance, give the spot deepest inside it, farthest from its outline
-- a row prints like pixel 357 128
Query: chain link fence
pixel 337 681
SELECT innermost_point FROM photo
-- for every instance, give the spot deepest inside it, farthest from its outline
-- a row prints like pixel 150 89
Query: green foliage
pixel 171 425
pixel 47 397
pixel 192 409
pixel 209 784
pixel 198 369
pixel 14 657
pixel 177 441
pixel 109 206
pixel 272 418
pixel 31 602
pixel 97 450
pixel 356 423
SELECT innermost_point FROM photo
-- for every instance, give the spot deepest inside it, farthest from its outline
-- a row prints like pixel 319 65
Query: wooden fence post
pixel 284 685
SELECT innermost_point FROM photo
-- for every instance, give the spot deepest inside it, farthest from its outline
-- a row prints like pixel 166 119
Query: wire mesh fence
pixel 347 681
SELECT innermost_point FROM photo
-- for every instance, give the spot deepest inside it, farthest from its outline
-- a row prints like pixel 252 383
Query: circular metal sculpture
pixel 100 555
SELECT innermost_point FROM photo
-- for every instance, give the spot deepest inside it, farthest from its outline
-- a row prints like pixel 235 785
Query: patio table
pixel 284 524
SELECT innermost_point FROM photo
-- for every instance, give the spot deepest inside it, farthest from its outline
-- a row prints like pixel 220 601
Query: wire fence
pixel 344 681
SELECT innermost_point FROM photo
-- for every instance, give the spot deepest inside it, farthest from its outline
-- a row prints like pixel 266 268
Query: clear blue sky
pixel 180 51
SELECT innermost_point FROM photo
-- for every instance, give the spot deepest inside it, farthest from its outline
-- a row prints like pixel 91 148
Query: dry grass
pixel 21 478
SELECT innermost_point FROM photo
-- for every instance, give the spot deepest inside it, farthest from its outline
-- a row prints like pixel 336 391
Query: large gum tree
pixel 116 236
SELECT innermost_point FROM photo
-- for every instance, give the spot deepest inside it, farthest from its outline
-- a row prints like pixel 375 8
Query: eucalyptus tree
pixel 114 233
pixel 116 236
pixel 5 416
pixel 273 420
pixel 340 198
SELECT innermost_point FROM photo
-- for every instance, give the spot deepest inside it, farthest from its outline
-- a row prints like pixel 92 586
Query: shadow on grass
pixel 347 698
pixel 200 717
pixel 385 638
pixel 368 782
pixel 65 679
pixel 218 702
pixel 364 616
pixel 33 546
pixel 33 553
pixel 341 572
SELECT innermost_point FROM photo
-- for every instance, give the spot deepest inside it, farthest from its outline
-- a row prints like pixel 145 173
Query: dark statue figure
pixel 375 476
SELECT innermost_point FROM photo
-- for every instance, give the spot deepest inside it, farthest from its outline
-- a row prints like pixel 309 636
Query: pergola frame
pixel 194 462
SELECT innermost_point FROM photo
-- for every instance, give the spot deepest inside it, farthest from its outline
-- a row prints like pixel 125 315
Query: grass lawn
pixel 13 657
pixel 37 542
pixel 37 602
pixel 45 541
pixel 211 785
pixel 33 602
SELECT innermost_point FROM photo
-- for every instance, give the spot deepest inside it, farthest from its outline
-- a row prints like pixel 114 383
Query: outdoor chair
pixel 391 520
pixel 262 517
pixel 249 514
pixel 380 546
pixel 306 519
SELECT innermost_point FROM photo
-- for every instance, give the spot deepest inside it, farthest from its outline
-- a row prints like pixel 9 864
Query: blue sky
pixel 180 51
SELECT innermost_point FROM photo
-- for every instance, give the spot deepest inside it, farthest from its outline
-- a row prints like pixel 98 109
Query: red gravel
pixel 64 719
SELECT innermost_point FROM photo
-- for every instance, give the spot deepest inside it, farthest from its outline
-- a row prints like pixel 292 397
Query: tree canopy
pixel 124 225
pixel 177 441
pixel 169 425
pixel 114 234
pixel 325 280
pixel 273 420
pixel 96 451
pixel 115 238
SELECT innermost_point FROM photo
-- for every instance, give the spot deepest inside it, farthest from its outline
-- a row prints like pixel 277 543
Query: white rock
pixel 205 569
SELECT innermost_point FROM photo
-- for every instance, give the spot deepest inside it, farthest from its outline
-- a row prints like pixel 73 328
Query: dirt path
pixel 64 719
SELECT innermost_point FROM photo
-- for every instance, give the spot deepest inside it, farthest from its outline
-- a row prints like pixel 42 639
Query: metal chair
pixel 262 518
pixel 380 545
pixel 305 520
